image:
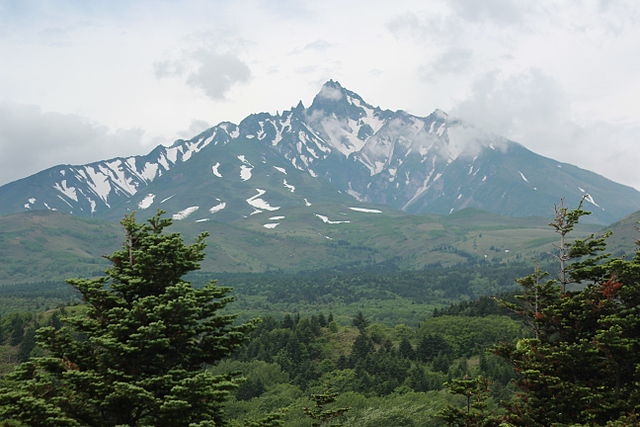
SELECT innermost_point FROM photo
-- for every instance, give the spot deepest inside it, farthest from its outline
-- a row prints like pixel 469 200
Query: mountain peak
pixel 434 164
pixel 333 98
pixel 331 91
pixel 439 114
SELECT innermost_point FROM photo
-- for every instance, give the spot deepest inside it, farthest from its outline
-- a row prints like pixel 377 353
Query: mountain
pixel 624 235
pixel 48 246
pixel 340 150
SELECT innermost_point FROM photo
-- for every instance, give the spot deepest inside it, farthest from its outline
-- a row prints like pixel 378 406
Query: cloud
pixel 212 72
pixel 196 127
pixel 531 108
pixel 453 61
pixel 527 103
pixel 409 24
pixel 331 93
pixel 315 46
pixel 503 12
pixel 168 68
pixel 216 73
pixel 32 140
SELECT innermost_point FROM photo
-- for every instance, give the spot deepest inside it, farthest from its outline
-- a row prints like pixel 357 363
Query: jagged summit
pixel 335 100
pixel 340 148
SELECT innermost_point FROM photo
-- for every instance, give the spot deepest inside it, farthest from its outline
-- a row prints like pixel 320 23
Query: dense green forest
pixel 377 347
pixel 384 294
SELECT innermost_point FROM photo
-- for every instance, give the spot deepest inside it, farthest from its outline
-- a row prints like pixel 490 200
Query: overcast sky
pixel 86 80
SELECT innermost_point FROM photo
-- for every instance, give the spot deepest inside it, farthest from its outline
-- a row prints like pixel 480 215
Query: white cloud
pixel 213 73
pixel 216 73
pixel 503 12
pixel 531 108
pixel 331 93
pixel 196 127
pixel 515 106
pixel 454 61
pixel 32 140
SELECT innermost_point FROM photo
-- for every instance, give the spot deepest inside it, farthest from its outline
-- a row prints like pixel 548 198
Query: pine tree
pixel 474 414
pixel 272 419
pixel 405 350
pixel 360 322
pixel 582 365
pixel 321 415
pixel 430 346
pixel 137 355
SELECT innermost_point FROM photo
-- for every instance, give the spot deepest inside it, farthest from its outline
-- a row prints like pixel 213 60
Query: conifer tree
pixel 405 350
pixel 137 354
pixel 360 322
pixel 474 414
pixel 582 365
pixel 321 415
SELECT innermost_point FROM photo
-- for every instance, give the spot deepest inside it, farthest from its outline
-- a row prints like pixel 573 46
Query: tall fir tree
pixel 138 354
pixel 582 364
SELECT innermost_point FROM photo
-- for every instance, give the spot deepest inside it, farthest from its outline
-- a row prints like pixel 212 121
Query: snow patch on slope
pixel 281 170
pixel 245 172
pixel 147 201
pixel 214 169
pixel 68 191
pixel 589 199
pixel 218 207
pixel 289 186
pixel 260 203
pixel 365 210
pixel 185 213
pixel 326 220
pixel 30 201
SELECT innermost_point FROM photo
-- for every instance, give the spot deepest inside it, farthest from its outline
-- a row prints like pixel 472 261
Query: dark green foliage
pixel 249 389
pixel 430 346
pixel 480 307
pixel 360 322
pixel 474 414
pixel 417 380
pixel 27 344
pixel 375 283
pixel 136 356
pixel 292 343
pixel 322 416
pixel 273 419
pixel 362 347
pixel 582 365
pixel 405 349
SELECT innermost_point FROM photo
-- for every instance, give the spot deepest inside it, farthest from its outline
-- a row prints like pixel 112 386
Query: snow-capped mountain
pixel 338 149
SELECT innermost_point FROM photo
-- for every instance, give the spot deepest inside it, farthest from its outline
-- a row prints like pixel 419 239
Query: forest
pixel 468 346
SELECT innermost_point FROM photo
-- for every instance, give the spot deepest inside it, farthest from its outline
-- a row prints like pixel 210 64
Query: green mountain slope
pixel 43 245
pixel 625 234
pixel 39 246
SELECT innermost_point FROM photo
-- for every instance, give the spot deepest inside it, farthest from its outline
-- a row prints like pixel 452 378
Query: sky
pixel 82 81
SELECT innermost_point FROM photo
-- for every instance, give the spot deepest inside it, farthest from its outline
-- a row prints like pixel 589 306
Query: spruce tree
pixel 137 355
pixel 321 415
pixel 582 364
pixel 474 414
